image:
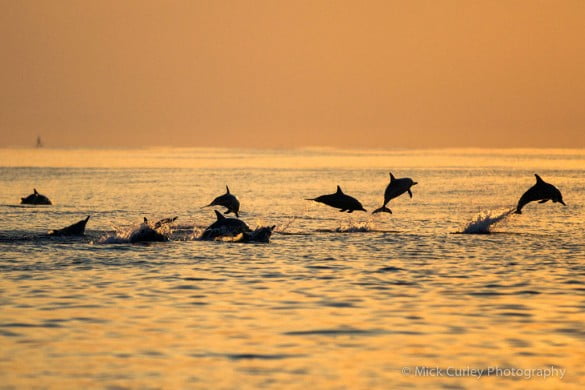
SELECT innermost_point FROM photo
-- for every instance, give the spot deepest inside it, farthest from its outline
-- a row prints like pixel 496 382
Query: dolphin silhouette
pixel 541 191
pixel 227 200
pixel 147 233
pixel 340 201
pixel 35 198
pixel 262 234
pixel 233 227
pixel 165 221
pixel 395 188
pixel 77 229
pixel 224 227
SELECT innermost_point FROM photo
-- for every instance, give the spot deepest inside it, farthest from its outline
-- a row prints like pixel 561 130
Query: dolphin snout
pixel 414 183
pixel 561 202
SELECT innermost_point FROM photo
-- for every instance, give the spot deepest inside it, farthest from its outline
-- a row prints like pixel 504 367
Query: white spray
pixel 485 221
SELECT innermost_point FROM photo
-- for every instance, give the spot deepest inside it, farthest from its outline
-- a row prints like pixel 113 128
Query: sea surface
pixel 334 301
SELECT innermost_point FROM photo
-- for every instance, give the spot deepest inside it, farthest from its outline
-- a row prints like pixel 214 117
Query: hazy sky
pixel 293 73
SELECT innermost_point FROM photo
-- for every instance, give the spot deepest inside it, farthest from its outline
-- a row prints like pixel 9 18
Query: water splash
pixel 356 227
pixel 143 233
pixel 485 221
pixel 352 226
pixel 285 227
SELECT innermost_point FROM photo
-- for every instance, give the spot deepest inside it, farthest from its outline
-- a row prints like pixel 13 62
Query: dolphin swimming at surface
pixel 395 188
pixel 233 227
pixel 35 198
pixel 261 234
pixel 224 226
pixel 541 191
pixel 77 229
pixel 227 200
pixel 147 233
pixel 340 201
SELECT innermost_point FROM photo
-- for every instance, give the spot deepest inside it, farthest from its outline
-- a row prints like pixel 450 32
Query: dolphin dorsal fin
pixel 218 215
pixel 227 189
pixel 145 220
pixel 392 178
pixel 35 191
pixel 339 190
pixel 538 179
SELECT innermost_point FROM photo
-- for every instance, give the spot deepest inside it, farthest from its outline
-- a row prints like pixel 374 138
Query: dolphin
pixel 236 228
pixel 261 234
pixel 227 200
pixel 35 198
pixel 77 229
pixel 340 201
pixel 395 188
pixel 541 191
pixel 164 221
pixel 224 227
pixel 146 233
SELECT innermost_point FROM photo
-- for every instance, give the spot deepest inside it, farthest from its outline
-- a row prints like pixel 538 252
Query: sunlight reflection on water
pixel 334 301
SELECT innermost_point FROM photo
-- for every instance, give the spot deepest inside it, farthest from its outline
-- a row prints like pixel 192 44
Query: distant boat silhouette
pixel 39 142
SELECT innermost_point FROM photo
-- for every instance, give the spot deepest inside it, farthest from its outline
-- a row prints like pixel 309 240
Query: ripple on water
pixel 389 269
pixel 406 290
pixel 29 325
pixel 337 332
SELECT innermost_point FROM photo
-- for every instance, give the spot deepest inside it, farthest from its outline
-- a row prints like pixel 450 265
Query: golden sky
pixel 254 73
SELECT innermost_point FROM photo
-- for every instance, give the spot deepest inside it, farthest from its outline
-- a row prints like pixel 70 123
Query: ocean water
pixel 334 301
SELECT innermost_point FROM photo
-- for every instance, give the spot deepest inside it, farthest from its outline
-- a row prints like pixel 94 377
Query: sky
pixel 288 74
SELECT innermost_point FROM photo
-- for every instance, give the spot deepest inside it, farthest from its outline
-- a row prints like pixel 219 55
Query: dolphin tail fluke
pixel 382 209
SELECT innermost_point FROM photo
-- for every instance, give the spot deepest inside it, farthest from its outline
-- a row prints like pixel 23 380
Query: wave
pixel 352 227
pixel 485 221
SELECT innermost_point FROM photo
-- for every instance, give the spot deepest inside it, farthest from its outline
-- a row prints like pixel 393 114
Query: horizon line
pixel 292 148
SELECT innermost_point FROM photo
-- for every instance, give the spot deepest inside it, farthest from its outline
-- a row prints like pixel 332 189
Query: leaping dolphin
pixel 541 191
pixel 227 200
pixel 162 222
pixel 340 201
pixel 35 198
pixel 395 188
pixel 77 229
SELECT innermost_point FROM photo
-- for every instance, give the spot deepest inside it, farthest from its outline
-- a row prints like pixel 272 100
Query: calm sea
pixel 334 301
